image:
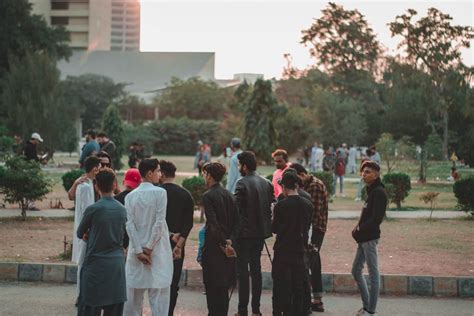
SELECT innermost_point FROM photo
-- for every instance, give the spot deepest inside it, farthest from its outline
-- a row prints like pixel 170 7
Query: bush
pixel 398 186
pixel 464 191
pixel 327 178
pixel 71 176
pixel 23 182
pixel 196 186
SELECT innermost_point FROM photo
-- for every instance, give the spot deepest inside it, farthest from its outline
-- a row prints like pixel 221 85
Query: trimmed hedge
pixel 71 176
pixel 464 191
pixel 398 186
pixel 196 186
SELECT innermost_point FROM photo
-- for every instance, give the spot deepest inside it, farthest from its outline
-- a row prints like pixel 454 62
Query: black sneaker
pixel 317 307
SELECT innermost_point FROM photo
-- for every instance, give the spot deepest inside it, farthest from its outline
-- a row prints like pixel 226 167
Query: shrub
pixel 327 178
pixel 71 176
pixel 430 197
pixel 464 192
pixel 398 186
pixel 196 186
pixel 23 182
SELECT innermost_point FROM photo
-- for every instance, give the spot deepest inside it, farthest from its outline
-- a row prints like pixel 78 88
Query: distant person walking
pixel 254 196
pixel 367 235
pixel 233 175
pixel 106 145
pixel 30 151
pixel 91 147
pixel 339 172
pixel 351 160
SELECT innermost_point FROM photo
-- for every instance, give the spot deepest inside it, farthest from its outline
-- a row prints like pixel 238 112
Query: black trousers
pixel 288 287
pixel 217 300
pixel 177 269
pixel 109 310
pixel 249 251
pixel 315 267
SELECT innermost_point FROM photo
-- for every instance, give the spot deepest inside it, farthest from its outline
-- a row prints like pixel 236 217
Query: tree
pixel 261 111
pixel 22 33
pixel 342 41
pixel 393 151
pixel 434 45
pixel 23 182
pixel 113 126
pixel 91 94
pixel 297 129
pixel 194 98
pixel 32 100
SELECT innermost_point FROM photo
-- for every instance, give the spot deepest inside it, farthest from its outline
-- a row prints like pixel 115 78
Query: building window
pixel 117 19
pixel 116 48
pixel 116 11
pixel 116 41
pixel 117 34
pixel 59 20
pixel 60 6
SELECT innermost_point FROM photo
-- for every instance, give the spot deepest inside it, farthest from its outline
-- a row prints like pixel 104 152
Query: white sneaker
pixel 357 199
pixel 363 312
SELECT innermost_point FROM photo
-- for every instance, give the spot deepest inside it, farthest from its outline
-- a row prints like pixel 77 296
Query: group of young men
pixel 157 217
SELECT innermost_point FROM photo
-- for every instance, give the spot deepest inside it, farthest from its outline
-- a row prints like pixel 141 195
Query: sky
pixel 251 36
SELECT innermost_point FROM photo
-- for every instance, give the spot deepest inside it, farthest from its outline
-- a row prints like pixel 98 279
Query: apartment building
pixel 102 25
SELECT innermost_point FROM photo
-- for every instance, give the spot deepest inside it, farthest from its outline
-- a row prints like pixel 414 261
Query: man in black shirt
pixel 291 222
pixel 179 217
pixel 30 151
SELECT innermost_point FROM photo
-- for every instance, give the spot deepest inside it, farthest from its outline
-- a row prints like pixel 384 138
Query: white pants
pixel 159 301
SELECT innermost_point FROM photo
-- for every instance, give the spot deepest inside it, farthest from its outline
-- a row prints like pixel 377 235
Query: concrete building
pixel 95 24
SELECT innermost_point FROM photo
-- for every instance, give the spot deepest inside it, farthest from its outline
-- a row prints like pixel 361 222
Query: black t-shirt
pixel 121 196
pixel 179 210
pixel 291 222
pixel 30 151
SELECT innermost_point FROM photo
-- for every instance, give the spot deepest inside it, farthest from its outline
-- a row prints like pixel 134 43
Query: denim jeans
pixel 249 251
pixel 341 184
pixel 367 252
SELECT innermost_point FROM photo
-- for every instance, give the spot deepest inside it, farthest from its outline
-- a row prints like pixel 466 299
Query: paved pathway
pixel 49 299
pixel 5 213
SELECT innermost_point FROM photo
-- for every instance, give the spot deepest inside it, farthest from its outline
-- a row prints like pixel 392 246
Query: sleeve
pixel 276 224
pixel 131 228
pixel 84 154
pixel 80 202
pixel 188 216
pixel 378 213
pixel 213 227
pixel 160 220
pixel 234 234
pixel 239 195
pixel 86 223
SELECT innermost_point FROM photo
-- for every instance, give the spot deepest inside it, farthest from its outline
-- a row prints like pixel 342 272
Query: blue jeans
pixel 367 252
pixel 341 183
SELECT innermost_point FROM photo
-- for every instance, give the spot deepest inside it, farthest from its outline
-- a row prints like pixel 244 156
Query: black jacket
pixel 373 213
pixel 254 196
pixel 30 151
pixel 222 222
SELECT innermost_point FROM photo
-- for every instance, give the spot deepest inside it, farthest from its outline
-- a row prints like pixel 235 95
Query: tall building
pixel 95 24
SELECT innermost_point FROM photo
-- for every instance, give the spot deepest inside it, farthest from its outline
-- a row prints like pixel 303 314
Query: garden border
pixel 439 286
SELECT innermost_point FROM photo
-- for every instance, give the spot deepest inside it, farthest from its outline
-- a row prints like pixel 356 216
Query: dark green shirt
pixel 103 270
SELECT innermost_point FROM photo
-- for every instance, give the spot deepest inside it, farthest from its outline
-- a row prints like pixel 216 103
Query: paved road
pixel 332 214
pixel 47 299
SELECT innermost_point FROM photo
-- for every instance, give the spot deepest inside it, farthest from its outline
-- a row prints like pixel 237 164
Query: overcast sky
pixel 250 36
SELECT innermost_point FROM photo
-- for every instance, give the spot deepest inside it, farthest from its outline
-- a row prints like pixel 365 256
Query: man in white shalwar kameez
pixel 84 198
pixel 149 264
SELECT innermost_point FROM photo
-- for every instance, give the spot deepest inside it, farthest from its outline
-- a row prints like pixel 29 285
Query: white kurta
pixel 146 227
pixel 84 198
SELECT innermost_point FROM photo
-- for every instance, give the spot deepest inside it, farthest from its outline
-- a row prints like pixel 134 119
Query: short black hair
pixel 298 168
pixel 91 162
pixel 168 168
pixel 91 133
pixel 215 169
pixel 280 152
pixel 102 134
pixel 146 165
pixel 105 180
pixel 247 158
pixel 235 142
pixel 289 180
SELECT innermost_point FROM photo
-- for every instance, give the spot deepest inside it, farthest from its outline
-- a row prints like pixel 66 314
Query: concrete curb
pixel 442 286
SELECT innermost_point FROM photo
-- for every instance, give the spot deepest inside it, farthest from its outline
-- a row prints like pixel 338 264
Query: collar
pixel 375 184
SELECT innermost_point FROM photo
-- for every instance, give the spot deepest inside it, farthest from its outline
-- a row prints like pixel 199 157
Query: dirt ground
pixel 414 247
